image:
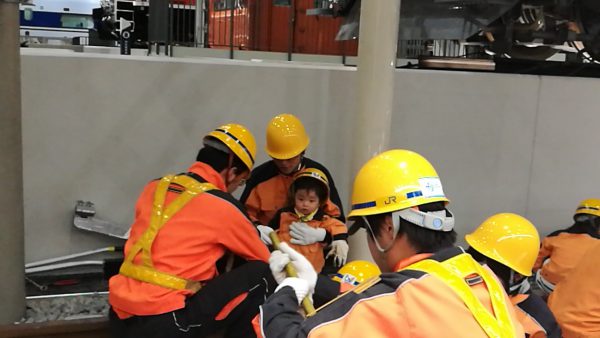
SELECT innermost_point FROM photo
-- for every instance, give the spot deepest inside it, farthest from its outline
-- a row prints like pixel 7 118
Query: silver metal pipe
pixel 99 293
pixel 62 266
pixel 68 257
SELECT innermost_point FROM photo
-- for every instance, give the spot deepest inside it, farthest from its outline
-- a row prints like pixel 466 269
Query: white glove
pixel 299 285
pixel 302 265
pixel 304 234
pixel 277 262
pixel 264 234
pixel 306 273
pixel 339 251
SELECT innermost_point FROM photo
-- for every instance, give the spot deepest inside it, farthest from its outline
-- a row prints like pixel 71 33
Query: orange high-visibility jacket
pixel 575 301
pixel 407 303
pixel 336 230
pixel 535 316
pixel 564 248
pixel 189 245
pixel 267 190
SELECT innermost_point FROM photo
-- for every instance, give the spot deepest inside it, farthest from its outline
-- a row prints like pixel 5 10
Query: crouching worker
pixel 562 250
pixel 576 300
pixel 169 284
pixel 509 245
pixel 428 286
pixel 304 224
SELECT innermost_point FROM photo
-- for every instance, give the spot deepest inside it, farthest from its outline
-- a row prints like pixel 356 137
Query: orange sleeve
pixel 334 227
pixel 252 204
pixel 242 238
pixel 545 252
pixel 331 209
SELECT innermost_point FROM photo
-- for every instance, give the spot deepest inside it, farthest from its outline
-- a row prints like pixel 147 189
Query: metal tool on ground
pixel 291 272
pixel 85 218
pixel 57 263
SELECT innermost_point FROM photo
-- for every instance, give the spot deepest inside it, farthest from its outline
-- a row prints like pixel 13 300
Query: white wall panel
pixel 99 127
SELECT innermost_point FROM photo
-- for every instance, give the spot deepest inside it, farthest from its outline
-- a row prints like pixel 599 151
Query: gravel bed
pixel 66 307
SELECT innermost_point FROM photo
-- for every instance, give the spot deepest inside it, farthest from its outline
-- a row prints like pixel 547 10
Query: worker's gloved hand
pixel 264 234
pixel 306 273
pixel 339 251
pixel 299 285
pixel 304 234
pixel 277 262
pixel 303 267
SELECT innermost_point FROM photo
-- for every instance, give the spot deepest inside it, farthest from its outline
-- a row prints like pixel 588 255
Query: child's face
pixel 306 201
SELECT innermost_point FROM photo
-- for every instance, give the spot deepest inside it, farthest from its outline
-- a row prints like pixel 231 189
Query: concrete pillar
pixel 377 47
pixel 12 290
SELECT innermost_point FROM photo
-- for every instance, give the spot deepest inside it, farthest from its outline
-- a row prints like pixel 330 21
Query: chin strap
pixel 379 247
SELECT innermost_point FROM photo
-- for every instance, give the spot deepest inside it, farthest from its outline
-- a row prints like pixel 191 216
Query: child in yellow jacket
pixel 304 224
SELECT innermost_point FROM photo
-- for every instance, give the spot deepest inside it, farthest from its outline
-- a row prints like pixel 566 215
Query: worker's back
pixel 564 250
pixel 408 303
pixel 575 301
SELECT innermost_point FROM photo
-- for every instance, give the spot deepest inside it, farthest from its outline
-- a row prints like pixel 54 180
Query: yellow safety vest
pixel 145 271
pixel 453 272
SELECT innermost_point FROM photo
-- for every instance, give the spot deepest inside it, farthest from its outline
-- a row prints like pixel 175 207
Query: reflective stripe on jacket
pixel 407 303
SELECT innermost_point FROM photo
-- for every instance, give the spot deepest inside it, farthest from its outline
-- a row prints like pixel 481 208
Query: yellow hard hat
pixel 316 174
pixel 286 137
pixel 356 272
pixel 508 239
pixel 590 206
pixel 239 140
pixel 395 180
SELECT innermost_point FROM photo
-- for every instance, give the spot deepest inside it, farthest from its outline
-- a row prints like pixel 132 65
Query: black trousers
pixel 197 318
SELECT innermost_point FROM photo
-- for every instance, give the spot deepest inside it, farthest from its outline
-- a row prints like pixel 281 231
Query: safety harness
pixel 454 272
pixel 145 271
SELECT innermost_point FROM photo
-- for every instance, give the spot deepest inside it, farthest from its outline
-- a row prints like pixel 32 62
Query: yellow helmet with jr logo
pixel 396 181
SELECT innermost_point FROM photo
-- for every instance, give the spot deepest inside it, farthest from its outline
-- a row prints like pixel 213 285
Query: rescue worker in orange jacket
pixel 575 301
pixel 172 282
pixel 304 224
pixel 562 250
pixel 267 189
pixel 429 287
pixel 509 244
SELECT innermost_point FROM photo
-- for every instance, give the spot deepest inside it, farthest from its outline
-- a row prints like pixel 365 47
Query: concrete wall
pixel 504 143
pixel 99 127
